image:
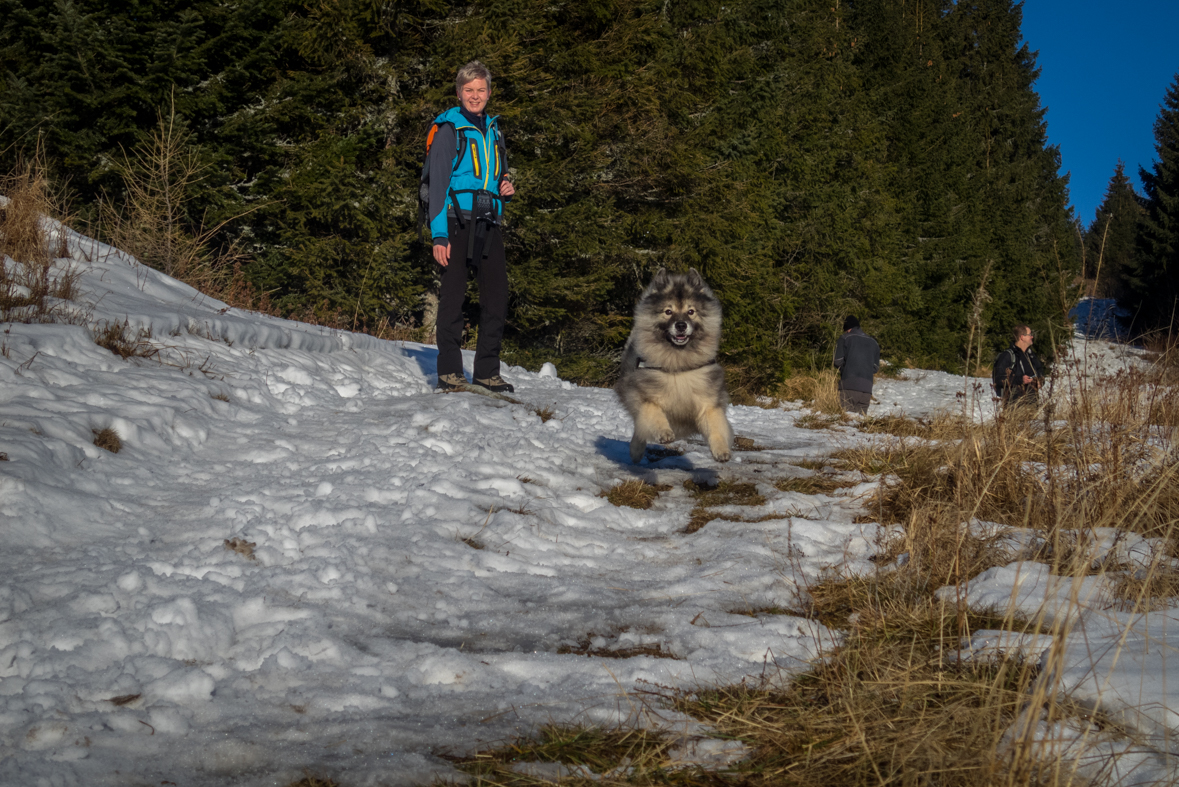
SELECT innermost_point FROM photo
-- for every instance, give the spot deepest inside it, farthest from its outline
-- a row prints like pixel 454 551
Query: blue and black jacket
pixel 457 174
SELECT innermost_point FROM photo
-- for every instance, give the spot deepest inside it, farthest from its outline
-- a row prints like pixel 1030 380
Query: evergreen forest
pixel 1131 248
pixel 883 158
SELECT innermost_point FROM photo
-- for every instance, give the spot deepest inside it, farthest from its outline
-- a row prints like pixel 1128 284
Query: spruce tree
pixel 1154 290
pixel 1015 207
pixel 1111 241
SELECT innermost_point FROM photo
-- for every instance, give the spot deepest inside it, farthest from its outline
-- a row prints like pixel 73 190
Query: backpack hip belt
pixel 484 217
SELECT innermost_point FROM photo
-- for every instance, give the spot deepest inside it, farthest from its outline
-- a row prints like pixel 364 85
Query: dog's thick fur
pixel 670 382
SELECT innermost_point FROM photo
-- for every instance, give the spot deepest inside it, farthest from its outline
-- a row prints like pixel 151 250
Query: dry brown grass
pixel 108 439
pixel 124 699
pixel 311 780
pixel 634 493
pixel 725 493
pixel 820 420
pixel 896 702
pixel 124 342
pixel 1155 588
pixel 583 648
pixel 1102 461
pixel 817 389
pixel 898 425
pixel 886 708
pixel 32 288
pixel 241 547
pixel 812 485
pixel 601 757
pixel 741 443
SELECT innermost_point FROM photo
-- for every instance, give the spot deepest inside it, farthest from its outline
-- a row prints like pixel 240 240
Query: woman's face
pixel 473 96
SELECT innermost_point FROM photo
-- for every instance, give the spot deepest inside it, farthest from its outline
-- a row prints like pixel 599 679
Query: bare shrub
pixel 153 221
pixel 120 339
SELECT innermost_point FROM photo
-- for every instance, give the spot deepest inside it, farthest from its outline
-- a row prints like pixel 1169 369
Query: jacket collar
pixel 456 117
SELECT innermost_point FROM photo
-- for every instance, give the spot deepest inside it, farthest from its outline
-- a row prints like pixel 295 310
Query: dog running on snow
pixel 670 382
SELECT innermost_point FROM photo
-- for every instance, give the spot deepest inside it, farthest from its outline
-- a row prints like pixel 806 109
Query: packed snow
pixel 304 558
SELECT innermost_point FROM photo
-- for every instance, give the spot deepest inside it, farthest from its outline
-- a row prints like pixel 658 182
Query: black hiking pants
pixel 492 277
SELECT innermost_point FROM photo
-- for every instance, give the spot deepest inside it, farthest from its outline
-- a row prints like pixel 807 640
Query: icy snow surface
pixel 418 559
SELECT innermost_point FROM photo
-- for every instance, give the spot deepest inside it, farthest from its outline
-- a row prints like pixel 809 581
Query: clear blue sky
pixel 1104 68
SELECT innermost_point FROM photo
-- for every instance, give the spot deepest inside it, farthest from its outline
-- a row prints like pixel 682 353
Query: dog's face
pixel 679 309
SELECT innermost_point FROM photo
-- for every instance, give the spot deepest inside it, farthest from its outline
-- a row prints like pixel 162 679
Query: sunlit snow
pixel 409 565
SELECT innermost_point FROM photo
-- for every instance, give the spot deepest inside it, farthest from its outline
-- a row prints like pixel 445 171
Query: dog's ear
pixel 694 278
pixel 659 281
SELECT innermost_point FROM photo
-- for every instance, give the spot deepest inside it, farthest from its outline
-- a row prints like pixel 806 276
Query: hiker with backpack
pixel 1017 372
pixel 464 189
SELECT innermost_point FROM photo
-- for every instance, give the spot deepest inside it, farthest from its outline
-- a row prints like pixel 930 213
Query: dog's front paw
pixel 665 437
pixel 721 449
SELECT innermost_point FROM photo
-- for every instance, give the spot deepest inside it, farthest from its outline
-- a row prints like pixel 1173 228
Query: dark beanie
pixel 850 322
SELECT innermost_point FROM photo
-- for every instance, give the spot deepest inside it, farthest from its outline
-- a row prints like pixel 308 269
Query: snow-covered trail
pixel 415 573
pixel 418 559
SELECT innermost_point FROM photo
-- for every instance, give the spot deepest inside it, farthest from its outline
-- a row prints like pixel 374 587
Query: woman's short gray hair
pixel 471 71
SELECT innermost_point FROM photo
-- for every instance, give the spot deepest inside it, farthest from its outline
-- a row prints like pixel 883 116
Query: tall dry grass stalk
pixel 819 389
pixel 981 299
pixel 33 235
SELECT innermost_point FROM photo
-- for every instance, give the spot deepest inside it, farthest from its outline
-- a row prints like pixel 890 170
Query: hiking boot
pixel 451 382
pixel 494 384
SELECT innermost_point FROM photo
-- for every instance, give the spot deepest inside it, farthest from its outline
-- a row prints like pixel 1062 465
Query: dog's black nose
pixel 681 327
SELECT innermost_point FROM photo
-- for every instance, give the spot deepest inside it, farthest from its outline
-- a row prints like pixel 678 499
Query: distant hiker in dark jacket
pixel 857 357
pixel 1018 372
pixel 468 189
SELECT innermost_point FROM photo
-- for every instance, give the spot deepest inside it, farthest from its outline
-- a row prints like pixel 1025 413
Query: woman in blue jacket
pixel 468 191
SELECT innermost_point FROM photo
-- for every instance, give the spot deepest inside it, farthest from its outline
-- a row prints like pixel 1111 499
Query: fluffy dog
pixel 671 383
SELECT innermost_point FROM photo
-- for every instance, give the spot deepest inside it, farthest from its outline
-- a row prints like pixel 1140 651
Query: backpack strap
pixel 995 381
